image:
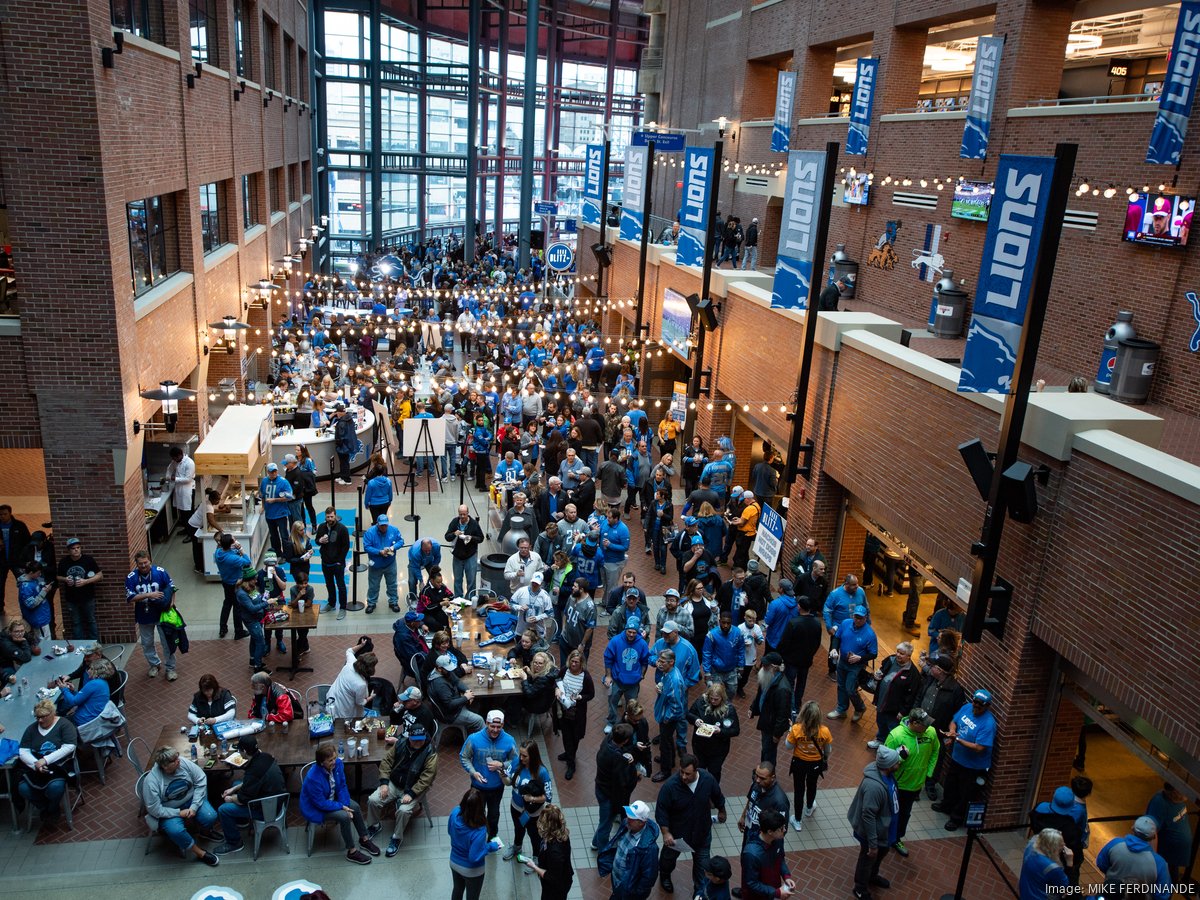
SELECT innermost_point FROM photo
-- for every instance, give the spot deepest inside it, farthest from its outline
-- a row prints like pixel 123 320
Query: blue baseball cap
pixel 981 696
pixel 860 611
pixel 690 520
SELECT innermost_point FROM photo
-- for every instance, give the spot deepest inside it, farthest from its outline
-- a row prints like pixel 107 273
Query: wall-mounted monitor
pixel 972 200
pixel 858 190
pixel 1158 221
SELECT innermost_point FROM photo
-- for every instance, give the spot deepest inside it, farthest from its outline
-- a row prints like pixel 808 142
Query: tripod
pixel 422 447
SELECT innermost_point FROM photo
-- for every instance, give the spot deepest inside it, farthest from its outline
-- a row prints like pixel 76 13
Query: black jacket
pixel 459 549
pixel 718 744
pixel 18 539
pixel 447 694
pixel 335 549
pixel 687 813
pixel 942 701
pixel 801 640
pixel 615 775
pixel 584 498
pixel 812 588
pixel 262 778
pixel 13 654
pixel 538 691
pixel 904 691
pixel 773 706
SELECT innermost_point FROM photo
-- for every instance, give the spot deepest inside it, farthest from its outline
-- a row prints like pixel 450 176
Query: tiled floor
pixel 109 837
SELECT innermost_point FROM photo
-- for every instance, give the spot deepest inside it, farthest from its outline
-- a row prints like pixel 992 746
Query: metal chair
pixel 152 833
pixel 134 750
pixel 411 600
pixel 444 725
pixel 117 656
pixel 416 665
pixel 318 693
pixel 273 814
pixel 68 804
pixel 310 828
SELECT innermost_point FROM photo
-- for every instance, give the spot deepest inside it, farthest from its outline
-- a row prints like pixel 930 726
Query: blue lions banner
pixel 637 164
pixel 1178 91
pixel 697 181
pixel 802 209
pixel 785 97
pixel 1010 254
pixel 860 106
pixel 983 95
pixel 593 184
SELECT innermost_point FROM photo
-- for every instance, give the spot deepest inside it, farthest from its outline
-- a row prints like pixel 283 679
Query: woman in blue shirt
pixel 324 797
pixel 469 846
pixel 1042 873
pixel 530 782
pixel 481 444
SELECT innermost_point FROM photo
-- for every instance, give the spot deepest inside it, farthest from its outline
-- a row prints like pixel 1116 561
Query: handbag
pixel 320 725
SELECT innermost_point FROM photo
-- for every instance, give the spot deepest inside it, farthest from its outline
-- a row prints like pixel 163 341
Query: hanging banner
pixel 593 184
pixel 697 182
pixel 679 402
pixel 637 164
pixel 983 95
pixel 860 106
pixel 802 209
pixel 785 97
pixel 1006 274
pixel 1178 91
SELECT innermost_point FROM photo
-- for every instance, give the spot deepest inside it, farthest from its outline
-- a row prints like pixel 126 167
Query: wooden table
pixel 476 630
pixel 293 750
pixel 296 621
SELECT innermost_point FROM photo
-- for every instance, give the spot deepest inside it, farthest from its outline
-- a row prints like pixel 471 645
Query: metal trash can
pixel 949 307
pixel 844 266
pixel 491 573
pixel 1134 372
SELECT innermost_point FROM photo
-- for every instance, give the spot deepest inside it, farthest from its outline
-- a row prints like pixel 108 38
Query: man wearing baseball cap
pixel 631 856
pixel 485 756
pixel 407 640
pixel 941 696
pixel 533 605
pixel 857 647
pixel 916 740
pixel 276 493
pixel 681 547
pixel 405 774
pixel 411 712
pixel 1130 861
pixel 626 659
pixel 381 543
pixel 972 734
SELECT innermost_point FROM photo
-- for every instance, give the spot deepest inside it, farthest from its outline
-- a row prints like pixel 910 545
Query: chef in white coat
pixel 182 475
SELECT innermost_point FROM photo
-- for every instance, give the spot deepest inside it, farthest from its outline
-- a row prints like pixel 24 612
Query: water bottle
pixel 342 749
pixel 1117 332
pixel 312 709
pixel 195 756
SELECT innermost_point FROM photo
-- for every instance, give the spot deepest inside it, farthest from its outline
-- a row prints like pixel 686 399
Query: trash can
pixel 949 307
pixel 518 527
pixel 1134 372
pixel 845 267
pixel 492 573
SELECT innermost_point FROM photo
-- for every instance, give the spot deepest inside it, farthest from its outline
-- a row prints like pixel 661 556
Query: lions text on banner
pixel 983 95
pixel 637 164
pixel 785 97
pixel 593 184
pixel 861 105
pixel 802 207
pixel 1010 254
pixel 1178 91
pixel 768 540
pixel 697 185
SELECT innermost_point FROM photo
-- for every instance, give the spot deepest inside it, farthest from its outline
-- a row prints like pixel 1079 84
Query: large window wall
pixel 421 157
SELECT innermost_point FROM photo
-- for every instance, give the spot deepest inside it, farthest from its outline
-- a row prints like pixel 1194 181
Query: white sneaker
pixel 153 673
pixel 808 810
pixel 872 745
pixel 798 824
pixel 608 729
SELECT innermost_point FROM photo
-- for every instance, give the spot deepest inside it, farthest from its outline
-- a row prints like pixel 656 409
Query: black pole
pixel 796 442
pixel 714 193
pixel 1013 422
pixel 603 214
pixel 358 533
pixel 472 185
pixel 962 868
pixel 646 205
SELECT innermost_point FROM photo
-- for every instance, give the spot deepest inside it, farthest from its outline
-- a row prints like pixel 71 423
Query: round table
pixel 16 713
pixel 321 449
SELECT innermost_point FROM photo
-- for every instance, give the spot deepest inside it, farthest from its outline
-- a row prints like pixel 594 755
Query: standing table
pixel 296 622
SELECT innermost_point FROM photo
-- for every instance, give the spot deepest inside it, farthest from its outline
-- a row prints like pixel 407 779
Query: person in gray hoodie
pixel 872 815
pixel 1131 860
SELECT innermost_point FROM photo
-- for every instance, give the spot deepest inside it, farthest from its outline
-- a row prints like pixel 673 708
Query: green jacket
pixel 922 755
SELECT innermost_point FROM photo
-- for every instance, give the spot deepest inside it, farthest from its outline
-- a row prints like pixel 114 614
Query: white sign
pixel 769 539
pixel 413 444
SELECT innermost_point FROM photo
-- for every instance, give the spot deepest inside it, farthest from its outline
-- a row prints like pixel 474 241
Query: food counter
pixel 321 445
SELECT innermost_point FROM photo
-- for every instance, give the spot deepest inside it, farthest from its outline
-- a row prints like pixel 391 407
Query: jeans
pixel 847 687
pixel 660 548
pixel 961 788
pixel 83 620
pixel 666 729
pixel 884 723
pixel 470 722
pixel 466 575
pixel 769 752
pixel 48 800
pixel 907 799
pixel 804 783
pixel 278 530
pixel 528 828
pixel 616 692
pixel 258 644
pixel 728 679
pixel 591 458
pixel 469 887
pixel 347 820
pixel 377 807
pixel 146 636
pixel 414 578
pixel 229 605
pixel 335 583
pixel 604 827
pixel 175 828
pixel 668 857
pixel 343 466
pixel 750 258
pixel 388 574
pixel 866 868
pixel 233 816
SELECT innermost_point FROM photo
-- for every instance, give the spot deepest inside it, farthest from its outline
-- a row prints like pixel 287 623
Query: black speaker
pixel 603 254
pixel 978 465
pixel 1020 492
pixel 708 315
pixel 537 240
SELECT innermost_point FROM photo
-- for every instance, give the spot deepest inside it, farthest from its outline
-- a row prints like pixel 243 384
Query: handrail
pixel 1093 101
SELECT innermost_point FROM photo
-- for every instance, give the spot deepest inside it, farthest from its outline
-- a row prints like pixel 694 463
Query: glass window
pixel 203 30
pixel 210 216
pixel 399 202
pixel 250 200
pixel 399 114
pixel 346 37
pixel 350 201
pixel 302 71
pixel 278 198
pixel 399 44
pixel 141 17
pixel 153 241
pixel 243 15
pixel 348 114
pixel 270 50
pixel 289 66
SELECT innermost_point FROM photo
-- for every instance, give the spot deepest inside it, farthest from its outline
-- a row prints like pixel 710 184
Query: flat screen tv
pixel 858 190
pixel 972 200
pixel 1159 221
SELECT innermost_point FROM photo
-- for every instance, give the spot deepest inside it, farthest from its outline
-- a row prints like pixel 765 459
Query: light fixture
pixel 1077 42
pixel 229 327
pixel 169 393
pixel 722 123
pixel 262 289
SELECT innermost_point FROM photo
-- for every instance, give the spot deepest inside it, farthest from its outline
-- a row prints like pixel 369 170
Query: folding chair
pixel 310 828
